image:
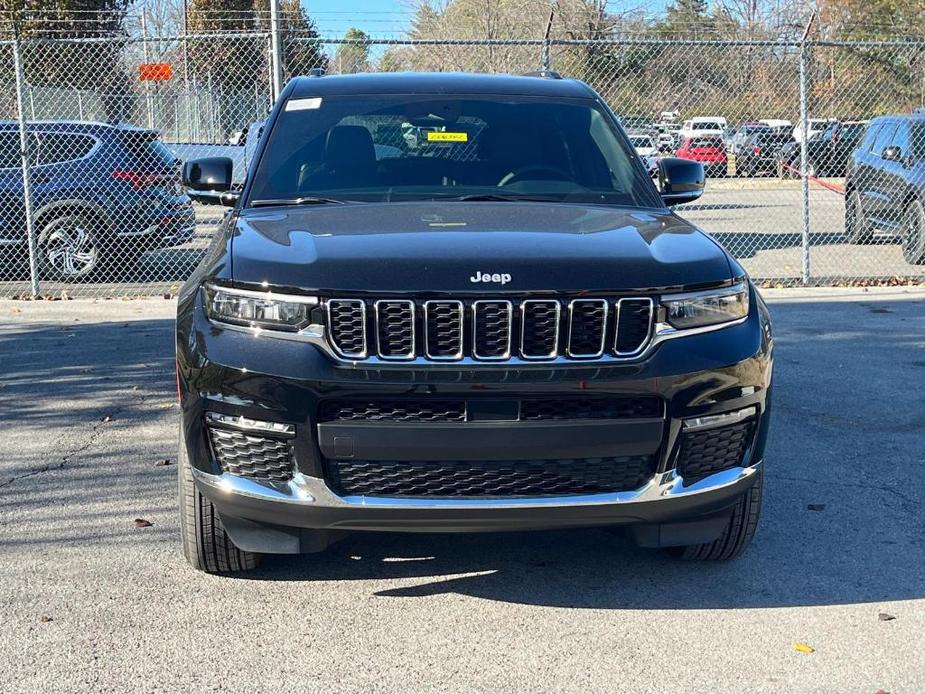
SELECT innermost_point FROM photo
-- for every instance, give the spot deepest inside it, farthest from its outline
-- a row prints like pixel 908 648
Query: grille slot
pixel 489 479
pixel 393 411
pixel 491 329
pixel 634 325
pixel 256 457
pixel 592 408
pixel 702 453
pixel 587 327
pixel 347 327
pixel 395 332
pixel 539 329
pixel 443 328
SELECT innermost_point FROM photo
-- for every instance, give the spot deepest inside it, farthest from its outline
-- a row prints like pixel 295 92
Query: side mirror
pixel 892 153
pixel 680 180
pixel 208 180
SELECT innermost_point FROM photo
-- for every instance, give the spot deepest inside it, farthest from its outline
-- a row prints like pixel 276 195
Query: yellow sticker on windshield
pixel 447 137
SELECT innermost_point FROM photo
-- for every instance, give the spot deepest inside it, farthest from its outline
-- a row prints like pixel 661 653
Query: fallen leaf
pixel 885 617
pixel 162 462
pixel 142 523
pixel 803 647
pixel 815 507
pixel 44 618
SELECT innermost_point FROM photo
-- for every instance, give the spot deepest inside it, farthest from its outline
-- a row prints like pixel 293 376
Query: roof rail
pixel 316 72
pixel 545 74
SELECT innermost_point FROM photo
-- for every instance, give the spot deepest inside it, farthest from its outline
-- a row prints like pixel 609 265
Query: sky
pixel 378 18
pixel 391 18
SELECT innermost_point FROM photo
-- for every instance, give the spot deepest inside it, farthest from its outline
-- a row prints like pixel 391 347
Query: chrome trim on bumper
pixel 315 334
pixel 313 492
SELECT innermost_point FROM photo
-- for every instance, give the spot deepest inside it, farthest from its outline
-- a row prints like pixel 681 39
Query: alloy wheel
pixel 70 251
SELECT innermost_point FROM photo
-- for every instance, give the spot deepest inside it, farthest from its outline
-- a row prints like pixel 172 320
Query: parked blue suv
pixel 102 194
pixel 885 187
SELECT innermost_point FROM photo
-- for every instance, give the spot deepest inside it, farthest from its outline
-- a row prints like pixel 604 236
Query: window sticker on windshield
pixel 447 137
pixel 303 104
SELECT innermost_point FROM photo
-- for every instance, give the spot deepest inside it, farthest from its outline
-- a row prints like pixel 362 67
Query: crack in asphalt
pixel 95 432
pixel 906 502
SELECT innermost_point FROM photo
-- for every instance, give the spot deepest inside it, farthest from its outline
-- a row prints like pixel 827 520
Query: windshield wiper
pixel 497 197
pixel 308 200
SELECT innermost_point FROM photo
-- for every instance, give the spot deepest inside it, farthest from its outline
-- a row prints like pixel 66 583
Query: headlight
pixel 707 308
pixel 259 309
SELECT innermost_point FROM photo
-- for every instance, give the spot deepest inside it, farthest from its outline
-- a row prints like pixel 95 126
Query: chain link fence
pixel 94 130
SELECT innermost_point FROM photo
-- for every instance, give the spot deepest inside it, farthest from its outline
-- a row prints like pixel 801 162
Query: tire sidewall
pixel 914 248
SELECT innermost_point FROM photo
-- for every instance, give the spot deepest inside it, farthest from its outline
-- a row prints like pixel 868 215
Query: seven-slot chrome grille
pixel 489 329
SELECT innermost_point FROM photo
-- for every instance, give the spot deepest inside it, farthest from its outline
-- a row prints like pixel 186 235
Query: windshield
pixel 642 142
pixel 399 147
pixel 703 125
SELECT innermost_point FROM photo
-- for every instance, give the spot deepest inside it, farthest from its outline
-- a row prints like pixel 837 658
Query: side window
pixel 9 150
pixel 870 136
pixel 884 138
pixel 901 137
pixel 917 144
pixel 55 148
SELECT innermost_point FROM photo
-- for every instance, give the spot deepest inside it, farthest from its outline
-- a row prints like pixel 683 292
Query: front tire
pixel 738 533
pixel 914 234
pixel 205 543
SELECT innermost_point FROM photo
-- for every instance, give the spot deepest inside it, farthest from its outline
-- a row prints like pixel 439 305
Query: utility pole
pixel 276 58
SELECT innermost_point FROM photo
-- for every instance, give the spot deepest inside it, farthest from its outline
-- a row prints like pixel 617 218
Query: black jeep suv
pixel 448 303
pixel 885 186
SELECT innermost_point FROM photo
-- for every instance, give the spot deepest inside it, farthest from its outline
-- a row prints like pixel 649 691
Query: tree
pixel 301 44
pixel 353 55
pixel 96 67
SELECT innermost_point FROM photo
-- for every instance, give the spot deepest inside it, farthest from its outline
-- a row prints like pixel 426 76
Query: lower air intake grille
pixel 393 411
pixel 251 456
pixel 712 450
pixel 478 478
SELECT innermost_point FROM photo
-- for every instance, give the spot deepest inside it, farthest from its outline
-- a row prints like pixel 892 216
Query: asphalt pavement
pixel 89 602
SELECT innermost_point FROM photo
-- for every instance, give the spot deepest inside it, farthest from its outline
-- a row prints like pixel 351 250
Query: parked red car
pixel 709 150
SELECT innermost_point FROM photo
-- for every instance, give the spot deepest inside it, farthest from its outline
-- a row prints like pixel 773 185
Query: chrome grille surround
pixel 492 330
pixel 528 315
pixel 453 328
pixel 395 328
pixel 622 306
pixel 344 329
pixel 495 337
pixel 586 323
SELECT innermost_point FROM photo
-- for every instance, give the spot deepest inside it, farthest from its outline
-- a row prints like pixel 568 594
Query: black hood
pixel 441 246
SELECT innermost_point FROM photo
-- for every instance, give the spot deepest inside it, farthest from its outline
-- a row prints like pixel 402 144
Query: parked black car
pixel 885 187
pixel 500 327
pixel 829 154
pixel 758 154
pixel 102 194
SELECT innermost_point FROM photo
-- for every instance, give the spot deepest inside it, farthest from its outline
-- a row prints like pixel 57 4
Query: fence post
pixel 276 56
pixel 24 154
pixel 804 157
pixel 149 105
